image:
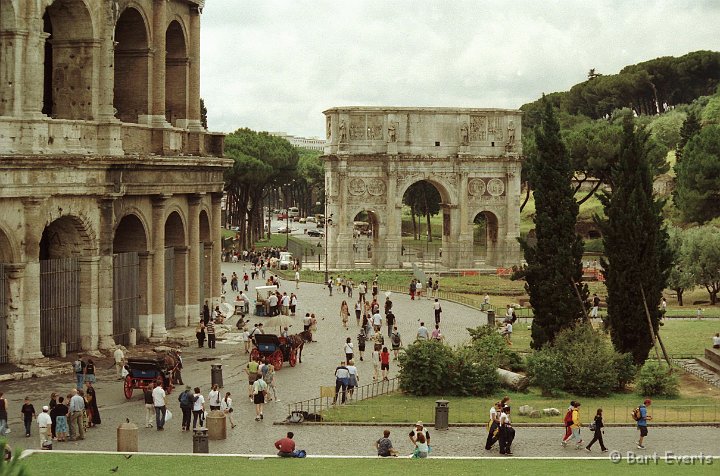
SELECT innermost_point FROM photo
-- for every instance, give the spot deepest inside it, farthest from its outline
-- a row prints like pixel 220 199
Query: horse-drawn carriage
pixel 141 372
pixel 276 350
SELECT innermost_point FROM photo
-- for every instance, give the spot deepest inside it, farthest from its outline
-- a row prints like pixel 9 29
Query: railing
pixel 363 392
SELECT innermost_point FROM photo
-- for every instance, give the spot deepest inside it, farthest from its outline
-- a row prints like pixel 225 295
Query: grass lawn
pixel 698 402
pixel 47 464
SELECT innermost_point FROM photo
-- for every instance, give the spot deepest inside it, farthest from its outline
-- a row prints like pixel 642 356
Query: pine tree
pixel 636 247
pixel 555 262
pixel 689 128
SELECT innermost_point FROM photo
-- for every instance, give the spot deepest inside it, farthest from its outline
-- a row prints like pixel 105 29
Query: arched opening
pixel 205 244
pixel 366 237
pixel 70 53
pixel 176 73
pixel 132 63
pixel 423 223
pixel 485 238
pixel 63 243
pixel 5 258
pixel 176 252
pixel 130 271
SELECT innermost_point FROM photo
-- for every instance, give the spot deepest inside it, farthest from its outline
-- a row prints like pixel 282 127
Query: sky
pixel 275 65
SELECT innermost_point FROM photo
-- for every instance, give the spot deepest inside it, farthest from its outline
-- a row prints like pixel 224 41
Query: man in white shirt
pixel 422 332
pixel 508 333
pixel 44 423
pixel 377 321
pixel 119 361
pixel 285 304
pixel 272 305
pixel 158 395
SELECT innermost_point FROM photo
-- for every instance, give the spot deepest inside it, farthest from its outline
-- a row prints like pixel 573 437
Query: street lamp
pixel 325 228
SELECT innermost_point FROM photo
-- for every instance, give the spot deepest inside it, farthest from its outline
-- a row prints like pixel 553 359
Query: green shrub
pixel 656 380
pixel 625 368
pixel 14 466
pixel 488 342
pixel 424 368
pixel 472 375
pixel 545 370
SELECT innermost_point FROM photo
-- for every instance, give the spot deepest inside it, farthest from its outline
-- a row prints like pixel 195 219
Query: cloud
pixel 276 65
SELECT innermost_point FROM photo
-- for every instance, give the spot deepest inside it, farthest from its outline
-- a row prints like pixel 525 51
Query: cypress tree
pixel 555 262
pixel 637 255
pixel 689 128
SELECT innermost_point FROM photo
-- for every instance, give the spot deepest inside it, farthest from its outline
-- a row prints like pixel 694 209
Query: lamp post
pixel 325 228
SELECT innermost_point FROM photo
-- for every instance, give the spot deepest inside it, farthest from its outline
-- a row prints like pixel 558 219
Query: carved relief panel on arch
pixel 486 190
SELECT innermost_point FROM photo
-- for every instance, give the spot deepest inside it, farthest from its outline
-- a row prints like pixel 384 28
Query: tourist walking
pixel 437 310
pixel 44 421
pixel 92 405
pixel 227 409
pixel 198 408
pixel 28 413
pixel 493 425
pixel 390 321
pixel 149 407
pixel 4 430
pixel 60 413
pixel 251 369
pixel 297 279
pixel 385 363
pixel 348 350
pixel 259 392
pixel 597 428
pixel 358 312
pixel 642 419
pixel 214 398
pixel 330 285
pixel 342 377
pixel 395 341
pixel 506 432
pixel 89 372
pixel 211 334
pixel 186 400
pixel 353 377
pixel 200 333
pixel 77 408
pixel 350 288
pixel 362 289
pixel 158 395
pixel 361 337
pixel 422 332
pixel 375 358
pixel 119 357
pixel 576 425
pixel 344 314
pixel 413 288
pixel 270 378
pixel 293 303
pixel 52 404
pixel 79 368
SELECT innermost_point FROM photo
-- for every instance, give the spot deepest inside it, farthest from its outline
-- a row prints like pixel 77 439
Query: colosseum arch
pixel 472 157
pixel 133 61
pixel 176 261
pixel 176 73
pixel 71 53
pixel 7 256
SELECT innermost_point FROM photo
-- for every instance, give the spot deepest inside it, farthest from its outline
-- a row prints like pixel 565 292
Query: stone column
pixel 193 117
pixel 145 288
pixel 105 277
pixel 159 332
pixel 465 238
pixel 16 316
pixel 393 232
pixel 216 233
pixel 208 273
pixel 34 224
pixel 89 287
pixel 181 286
pixel 196 251
pixel 511 249
pixel 159 27
pixel 12 44
pixel 106 74
pixel 33 59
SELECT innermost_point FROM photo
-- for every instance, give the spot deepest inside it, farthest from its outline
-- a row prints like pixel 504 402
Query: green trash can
pixel 441 414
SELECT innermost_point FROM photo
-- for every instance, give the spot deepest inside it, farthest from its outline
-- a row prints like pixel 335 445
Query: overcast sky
pixel 276 65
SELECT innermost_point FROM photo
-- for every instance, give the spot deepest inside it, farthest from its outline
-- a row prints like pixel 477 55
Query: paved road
pixel 302 382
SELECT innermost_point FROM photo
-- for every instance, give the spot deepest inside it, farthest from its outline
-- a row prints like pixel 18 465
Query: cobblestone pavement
pixel 303 382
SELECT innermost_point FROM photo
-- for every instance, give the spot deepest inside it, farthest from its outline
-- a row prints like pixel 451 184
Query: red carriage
pixel 143 371
pixel 276 350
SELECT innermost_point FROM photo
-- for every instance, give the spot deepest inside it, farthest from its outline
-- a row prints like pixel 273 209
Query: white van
pixel 286 260
pixel 293 212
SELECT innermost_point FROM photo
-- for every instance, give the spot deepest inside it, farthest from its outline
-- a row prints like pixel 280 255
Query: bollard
pixel 132 337
pixel 216 423
pixel 216 376
pixel 491 318
pixel 127 437
pixel 200 440
pixel 63 350
pixel 441 414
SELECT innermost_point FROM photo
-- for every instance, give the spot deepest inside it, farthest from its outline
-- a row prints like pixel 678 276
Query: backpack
pixel 300 454
pixel 78 366
pixel 184 399
pixel 636 414
pixel 568 418
pixel 592 426
pixel 396 339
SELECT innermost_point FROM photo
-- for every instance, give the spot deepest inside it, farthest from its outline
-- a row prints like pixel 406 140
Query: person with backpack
pixel 186 400
pixel 596 427
pixel 390 319
pixel 361 338
pixel 396 341
pixel 79 368
pixel 641 417
pixel 575 427
pixel 567 422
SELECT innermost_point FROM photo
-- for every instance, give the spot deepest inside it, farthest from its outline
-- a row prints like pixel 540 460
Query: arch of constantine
pixel 473 157
pixel 110 188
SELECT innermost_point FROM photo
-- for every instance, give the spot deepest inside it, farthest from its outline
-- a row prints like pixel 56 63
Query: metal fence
pixel 320 404
pixel 59 305
pixel 126 295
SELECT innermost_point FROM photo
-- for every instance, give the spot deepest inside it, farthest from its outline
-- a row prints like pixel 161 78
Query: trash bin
pixel 491 318
pixel 216 425
pixel 127 437
pixel 441 414
pixel 216 375
pixel 200 440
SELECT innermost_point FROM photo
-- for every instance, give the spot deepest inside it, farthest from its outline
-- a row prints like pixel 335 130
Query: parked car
pixel 301 220
pixel 310 220
pixel 286 260
pixel 284 229
pixel 282 216
pixel 316 233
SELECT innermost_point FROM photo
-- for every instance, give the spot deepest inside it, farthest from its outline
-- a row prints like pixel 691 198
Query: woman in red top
pixel 385 362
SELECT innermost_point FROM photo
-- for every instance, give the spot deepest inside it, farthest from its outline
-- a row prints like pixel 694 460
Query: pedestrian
pixel 413 288
pixel 362 289
pixel 286 446
pixel 44 421
pixel 436 334
pixel 60 413
pixel 419 429
pixel 89 372
pixel 206 313
pixel 210 330
pixel 699 313
pixel 234 281
pixel 384 445
pixel 342 378
pixel 186 400
pixel 149 407
pixel 214 397
pixel 246 281
pixel 377 321
pixel 251 369
pixel 493 425
pixel 270 378
pixel 375 358
pixel 4 430
pixel 375 287
pixel 716 341
pixel 437 309
pixel 507 332
pixel 92 405
pixel 343 284
pixel 297 279
pixel 350 285
pixel 344 314
pixel 158 395
pixel 358 312
pixel 595 306
pixel 200 333
pixel 348 349
pixel 395 341
pixel 51 405
pixel 436 288
pixel 76 410
pixel 430 293
pixel 259 392
pixel 353 378
pixel 390 321
pixel 79 368
pixel 567 421
pixel 597 428
pixel 576 425
pixel 28 413
pixel 418 288
pixel 385 363
pixel 330 284
pixel 642 419
pixel 119 357
pixel 506 432
pixel 285 304
pixel 223 282
pixel 227 409
pixel 293 303
pixel 422 332
pixel 361 337
pixel 307 322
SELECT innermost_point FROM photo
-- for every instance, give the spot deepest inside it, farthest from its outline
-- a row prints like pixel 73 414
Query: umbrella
pixel 280 321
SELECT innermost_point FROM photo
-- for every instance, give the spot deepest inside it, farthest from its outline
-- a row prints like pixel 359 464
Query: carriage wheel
pixel 128 387
pixel 277 359
pixel 293 358
pixel 254 354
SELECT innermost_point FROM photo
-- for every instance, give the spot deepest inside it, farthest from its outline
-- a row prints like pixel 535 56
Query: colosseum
pixel 110 187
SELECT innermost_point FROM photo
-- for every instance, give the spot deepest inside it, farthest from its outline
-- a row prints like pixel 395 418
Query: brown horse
pixel 297 342
pixel 172 365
